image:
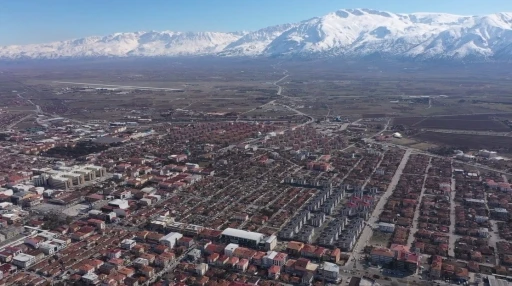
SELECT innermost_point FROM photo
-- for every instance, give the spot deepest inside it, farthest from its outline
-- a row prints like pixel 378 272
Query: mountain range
pixel 351 33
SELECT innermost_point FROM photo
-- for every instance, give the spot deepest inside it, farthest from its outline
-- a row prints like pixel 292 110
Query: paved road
pixel 367 231
pixel 18 121
pixel 414 228
pixel 452 238
pixel 280 88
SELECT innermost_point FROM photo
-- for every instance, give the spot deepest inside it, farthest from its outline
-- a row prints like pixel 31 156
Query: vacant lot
pixel 463 124
pixel 474 142
pixel 407 121
pixel 477 122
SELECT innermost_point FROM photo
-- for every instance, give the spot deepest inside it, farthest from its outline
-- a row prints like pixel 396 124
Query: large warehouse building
pixel 248 238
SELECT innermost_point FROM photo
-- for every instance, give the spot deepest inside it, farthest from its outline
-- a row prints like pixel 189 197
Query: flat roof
pixel 386 224
pixel 498 282
pixel 476 201
pixel 172 236
pixel 23 257
pixel 331 267
pixel 256 236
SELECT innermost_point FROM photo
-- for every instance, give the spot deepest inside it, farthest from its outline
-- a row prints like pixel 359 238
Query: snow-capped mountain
pixel 348 33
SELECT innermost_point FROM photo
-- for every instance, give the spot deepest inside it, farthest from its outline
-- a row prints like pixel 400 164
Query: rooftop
pixel 243 234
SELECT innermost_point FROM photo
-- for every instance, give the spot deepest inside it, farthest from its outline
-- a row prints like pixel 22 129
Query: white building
pixel 480 218
pixel 487 154
pixel 330 272
pixel 271 242
pixel 242 237
pixel 128 243
pixel 23 260
pixel 90 278
pixel 483 232
pixel 386 227
pixel 230 249
pixel 171 239
pixel 118 203
pixel 49 248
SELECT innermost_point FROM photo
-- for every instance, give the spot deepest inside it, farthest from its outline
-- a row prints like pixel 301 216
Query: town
pixel 245 203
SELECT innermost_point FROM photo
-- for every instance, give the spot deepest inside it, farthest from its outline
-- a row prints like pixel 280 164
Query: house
pixel 91 279
pixel 164 259
pixel 85 269
pixel 294 248
pixel 5 257
pixel 242 265
pixel 335 255
pixel 148 271
pixel 274 271
pixel 186 242
pixel 223 260
pixel 201 269
pixel 34 241
pixel 233 261
pixel 212 258
pixel 114 253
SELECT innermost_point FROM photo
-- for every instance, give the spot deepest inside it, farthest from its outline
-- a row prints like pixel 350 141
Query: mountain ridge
pixel 351 33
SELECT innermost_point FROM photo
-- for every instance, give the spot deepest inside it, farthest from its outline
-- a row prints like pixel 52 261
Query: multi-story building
pixel 382 256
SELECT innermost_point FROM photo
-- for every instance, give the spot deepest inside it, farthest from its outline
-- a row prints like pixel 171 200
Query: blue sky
pixel 38 21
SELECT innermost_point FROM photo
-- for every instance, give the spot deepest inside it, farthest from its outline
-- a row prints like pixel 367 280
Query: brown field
pixel 463 124
pixel 474 142
pixel 320 88
pixel 407 121
pixel 374 115
pixel 477 122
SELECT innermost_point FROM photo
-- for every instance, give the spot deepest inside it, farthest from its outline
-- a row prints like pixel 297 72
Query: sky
pixel 40 21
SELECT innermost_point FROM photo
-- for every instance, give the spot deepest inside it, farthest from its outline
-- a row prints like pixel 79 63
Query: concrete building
pixel 245 238
pixel 382 256
pixel 171 239
pixel 64 177
pixel 487 153
pixel 329 272
pixel 386 227
pixel 230 249
pixel 23 260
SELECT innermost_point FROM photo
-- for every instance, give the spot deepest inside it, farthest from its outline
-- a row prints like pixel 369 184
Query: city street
pixel 367 231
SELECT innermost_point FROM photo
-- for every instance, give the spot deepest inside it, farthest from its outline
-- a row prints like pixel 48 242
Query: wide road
pixel 367 230
pixel 280 88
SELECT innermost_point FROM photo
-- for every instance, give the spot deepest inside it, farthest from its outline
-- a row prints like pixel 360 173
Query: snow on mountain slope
pixel 127 44
pixel 254 43
pixel 349 33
